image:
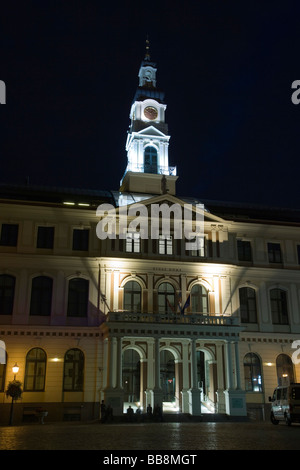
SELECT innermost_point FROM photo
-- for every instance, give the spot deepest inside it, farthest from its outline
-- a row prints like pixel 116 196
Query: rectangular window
pixel 165 245
pixel 81 239
pixel 244 250
pixel 45 237
pixel 9 235
pixel 200 250
pixel 133 243
pixel 274 253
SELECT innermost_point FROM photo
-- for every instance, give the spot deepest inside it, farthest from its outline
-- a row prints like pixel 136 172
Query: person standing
pixel 103 412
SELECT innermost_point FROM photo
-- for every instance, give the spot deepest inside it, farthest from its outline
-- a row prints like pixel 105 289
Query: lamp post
pixel 15 370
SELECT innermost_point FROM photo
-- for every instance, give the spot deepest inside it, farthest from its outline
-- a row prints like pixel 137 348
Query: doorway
pixel 131 376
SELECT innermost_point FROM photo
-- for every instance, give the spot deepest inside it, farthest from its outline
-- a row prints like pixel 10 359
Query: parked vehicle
pixel 286 404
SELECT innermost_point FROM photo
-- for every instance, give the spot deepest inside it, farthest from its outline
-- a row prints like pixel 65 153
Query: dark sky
pixel 71 67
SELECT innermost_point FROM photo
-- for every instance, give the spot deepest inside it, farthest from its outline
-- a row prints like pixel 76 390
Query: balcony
pixel 152 169
pixel 176 319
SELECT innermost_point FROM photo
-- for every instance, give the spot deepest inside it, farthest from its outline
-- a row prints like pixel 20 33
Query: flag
pixel 171 306
pixel 187 304
pixel 180 303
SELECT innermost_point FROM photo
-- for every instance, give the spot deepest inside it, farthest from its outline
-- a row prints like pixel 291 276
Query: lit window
pixel 35 371
pixel 252 373
pixel 284 368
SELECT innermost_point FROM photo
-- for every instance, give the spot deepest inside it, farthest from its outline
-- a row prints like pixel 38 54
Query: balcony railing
pixel 154 169
pixel 188 319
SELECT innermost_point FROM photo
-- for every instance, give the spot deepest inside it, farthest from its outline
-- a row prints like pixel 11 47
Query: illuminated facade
pixel 89 320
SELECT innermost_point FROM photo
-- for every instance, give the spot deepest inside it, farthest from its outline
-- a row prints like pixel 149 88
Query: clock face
pixel 150 112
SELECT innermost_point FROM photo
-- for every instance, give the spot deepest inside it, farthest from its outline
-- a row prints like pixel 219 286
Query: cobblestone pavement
pixel 170 437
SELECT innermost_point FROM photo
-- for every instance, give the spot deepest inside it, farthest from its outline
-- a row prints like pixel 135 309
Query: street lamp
pixel 13 395
pixel 15 370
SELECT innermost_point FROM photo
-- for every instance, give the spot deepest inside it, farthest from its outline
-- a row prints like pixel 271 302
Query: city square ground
pixel 149 437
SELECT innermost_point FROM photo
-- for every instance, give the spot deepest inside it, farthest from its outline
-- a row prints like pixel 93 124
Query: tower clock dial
pixel 150 113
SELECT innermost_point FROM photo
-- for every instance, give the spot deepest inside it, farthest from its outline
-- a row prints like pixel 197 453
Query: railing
pixel 188 319
pixel 154 169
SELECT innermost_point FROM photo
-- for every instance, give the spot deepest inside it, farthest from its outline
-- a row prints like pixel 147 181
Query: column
pixel 237 366
pixel 110 355
pixel 156 393
pixel 235 399
pixel 220 377
pixel 185 377
pixel 194 392
pixel 113 392
pixel 229 370
pixel 119 363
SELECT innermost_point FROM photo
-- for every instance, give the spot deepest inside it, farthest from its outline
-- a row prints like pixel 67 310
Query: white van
pixel 286 404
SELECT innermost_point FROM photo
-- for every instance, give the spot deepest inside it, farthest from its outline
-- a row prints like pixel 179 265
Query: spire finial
pixel 147 55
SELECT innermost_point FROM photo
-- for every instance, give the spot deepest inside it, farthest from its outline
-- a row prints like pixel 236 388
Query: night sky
pixel 71 71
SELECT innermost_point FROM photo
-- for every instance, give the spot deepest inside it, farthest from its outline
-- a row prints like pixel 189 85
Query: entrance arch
pixel 167 375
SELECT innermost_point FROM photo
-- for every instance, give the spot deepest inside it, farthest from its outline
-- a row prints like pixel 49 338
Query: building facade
pixel 137 319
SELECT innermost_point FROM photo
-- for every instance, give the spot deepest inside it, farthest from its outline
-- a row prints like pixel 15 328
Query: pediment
pixel 170 200
pixel 151 131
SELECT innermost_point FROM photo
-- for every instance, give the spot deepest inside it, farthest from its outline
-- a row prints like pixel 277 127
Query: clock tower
pixel 147 144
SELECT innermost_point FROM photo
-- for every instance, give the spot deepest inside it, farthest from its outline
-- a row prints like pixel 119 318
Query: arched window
pixel 166 298
pixel 150 160
pixel 35 370
pixel 248 305
pixel 41 296
pixel 132 296
pixel 73 371
pixel 78 297
pixel 279 310
pixel 7 292
pixel 199 298
pixel 284 368
pixel 252 373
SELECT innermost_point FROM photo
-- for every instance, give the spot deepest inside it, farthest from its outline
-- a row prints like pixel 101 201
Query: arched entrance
pixel 131 378
pixel 168 380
